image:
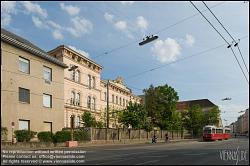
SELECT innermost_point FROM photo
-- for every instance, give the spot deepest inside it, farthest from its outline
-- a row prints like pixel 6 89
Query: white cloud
pixel 57 34
pixel 127 2
pixel 121 25
pixel 34 8
pixel 166 51
pixel 54 25
pixel 80 27
pixel 7 9
pixel 84 53
pixel 8 6
pixel 5 20
pixel 39 23
pixel 189 40
pixel 142 23
pixel 108 17
pixel 71 10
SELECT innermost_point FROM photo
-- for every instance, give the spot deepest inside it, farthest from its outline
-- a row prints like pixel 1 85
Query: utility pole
pixel 107 125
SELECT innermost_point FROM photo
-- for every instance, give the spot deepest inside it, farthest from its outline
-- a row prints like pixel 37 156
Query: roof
pixel 204 103
pixel 66 47
pixel 26 45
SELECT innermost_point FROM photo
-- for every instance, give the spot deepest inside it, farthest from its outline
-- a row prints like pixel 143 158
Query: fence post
pixel 139 134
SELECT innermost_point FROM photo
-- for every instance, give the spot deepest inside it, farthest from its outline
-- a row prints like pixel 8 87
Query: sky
pixel 109 33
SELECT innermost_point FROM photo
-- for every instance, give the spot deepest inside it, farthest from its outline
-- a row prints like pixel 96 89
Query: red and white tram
pixel 215 133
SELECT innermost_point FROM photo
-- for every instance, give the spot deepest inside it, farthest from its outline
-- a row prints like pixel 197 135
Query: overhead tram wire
pixel 229 46
pixel 162 66
pixel 236 44
pixel 159 31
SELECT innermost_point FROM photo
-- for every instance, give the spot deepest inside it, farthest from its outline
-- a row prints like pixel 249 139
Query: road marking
pixel 197 154
pixel 156 156
pixel 153 161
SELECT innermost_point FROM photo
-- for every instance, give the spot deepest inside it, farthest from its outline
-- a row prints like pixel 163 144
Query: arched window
pixel 94 103
pixel 77 76
pixel 89 102
pixel 72 97
pixel 78 99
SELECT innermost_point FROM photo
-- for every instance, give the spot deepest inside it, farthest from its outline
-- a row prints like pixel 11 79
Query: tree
pixel 88 119
pixel 160 103
pixel 134 115
pixel 212 117
pixel 194 119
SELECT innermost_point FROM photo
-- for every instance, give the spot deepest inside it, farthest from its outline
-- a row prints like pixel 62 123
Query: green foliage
pixel 160 103
pixel 88 119
pixel 45 136
pixel 99 124
pixel 80 135
pixel 212 116
pixel 194 119
pixel 24 135
pixel 148 126
pixel 62 136
pixel 4 132
pixel 134 115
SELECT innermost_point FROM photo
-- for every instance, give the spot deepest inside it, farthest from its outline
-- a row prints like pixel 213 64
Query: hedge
pixel 80 135
pixel 24 135
pixel 45 136
pixel 62 136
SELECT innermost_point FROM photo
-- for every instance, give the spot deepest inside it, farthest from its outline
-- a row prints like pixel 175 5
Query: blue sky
pixel 97 27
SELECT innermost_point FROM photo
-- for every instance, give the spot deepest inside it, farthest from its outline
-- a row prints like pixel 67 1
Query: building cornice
pixel 71 51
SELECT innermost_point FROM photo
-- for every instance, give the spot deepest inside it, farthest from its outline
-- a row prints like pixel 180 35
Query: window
pixel 93 82
pixel 77 99
pixel 116 100
pixel 123 102
pixel 89 80
pixel 88 101
pixel 77 76
pixel 105 96
pixel 94 103
pixel 47 73
pixel 72 99
pixel 24 124
pixel 24 95
pixel 24 65
pixel 47 100
pixel 47 126
pixel 77 121
pixel 120 101
pixel 113 99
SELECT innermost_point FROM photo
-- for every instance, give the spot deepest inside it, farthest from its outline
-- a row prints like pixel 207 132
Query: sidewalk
pixel 96 144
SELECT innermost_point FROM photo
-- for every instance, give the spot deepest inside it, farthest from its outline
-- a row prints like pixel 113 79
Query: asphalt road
pixel 227 152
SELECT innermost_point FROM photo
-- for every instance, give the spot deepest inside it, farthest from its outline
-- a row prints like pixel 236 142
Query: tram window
pixel 207 131
pixel 227 131
pixel 213 131
pixel 219 131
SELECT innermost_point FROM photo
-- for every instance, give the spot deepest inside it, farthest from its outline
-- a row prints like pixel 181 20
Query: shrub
pixel 45 136
pixel 4 132
pixel 62 136
pixel 24 135
pixel 80 135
